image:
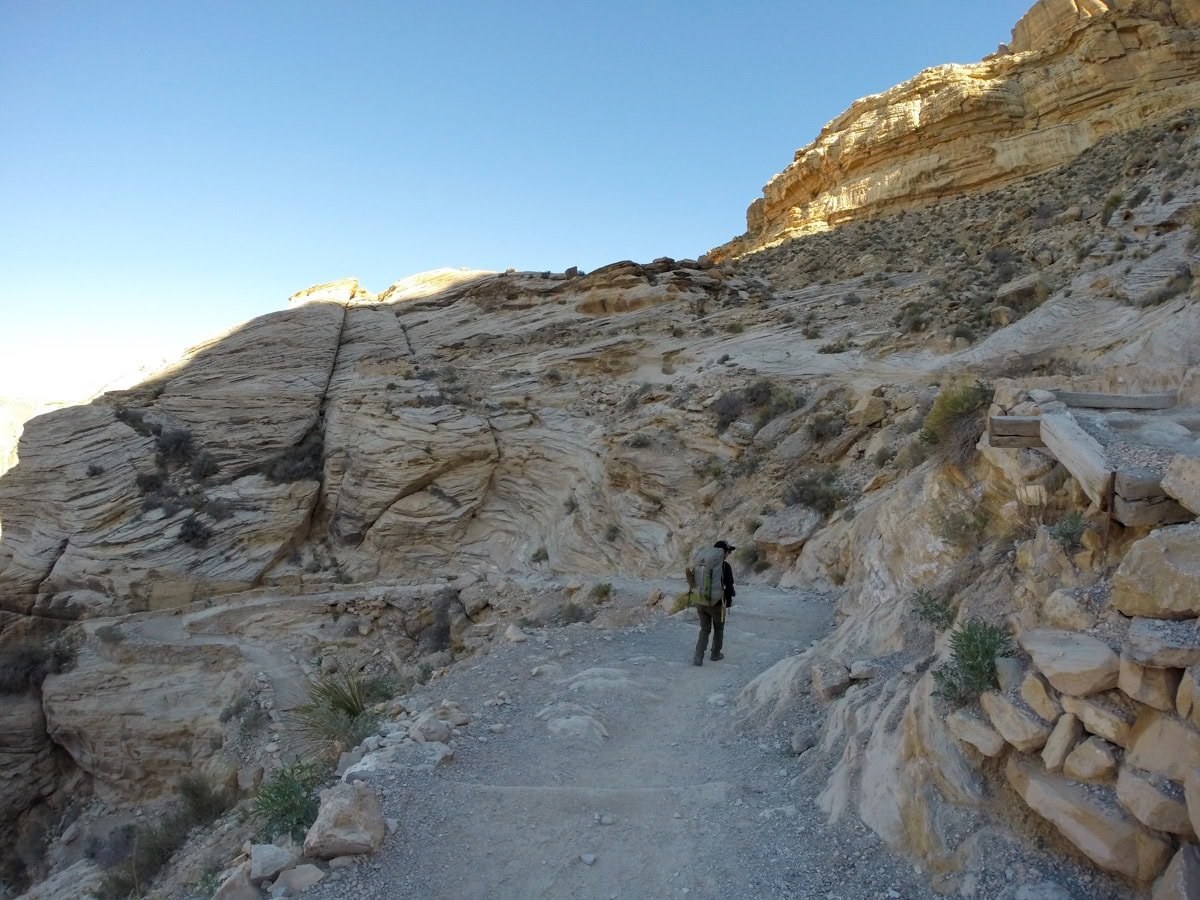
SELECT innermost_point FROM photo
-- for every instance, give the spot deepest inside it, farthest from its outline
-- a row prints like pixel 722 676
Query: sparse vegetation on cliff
pixel 972 666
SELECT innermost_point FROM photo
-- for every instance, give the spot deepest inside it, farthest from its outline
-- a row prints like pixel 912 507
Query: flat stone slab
pixel 1076 664
pixel 1162 643
pixel 1092 821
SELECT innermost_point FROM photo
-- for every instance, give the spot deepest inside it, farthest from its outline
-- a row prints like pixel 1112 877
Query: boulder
pixel 782 534
pixel 1109 715
pixel 237 887
pixel 1182 481
pixel 1181 880
pixel 1040 697
pixel 868 411
pixel 970 729
pixel 1093 760
pixel 1015 722
pixel 1160 575
pixel 268 860
pixel 1162 744
pixel 1074 663
pixel 1154 801
pixel 1009 672
pixel 349 822
pixel 1065 609
pixel 829 679
pixel 1091 820
pixel 1163 643
pixel 1187 698
pixel 1154 687
pixel 1067 732
pixel 298 879
pixel 1028 290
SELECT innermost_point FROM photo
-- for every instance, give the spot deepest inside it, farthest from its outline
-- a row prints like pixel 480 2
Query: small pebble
pixel 588 859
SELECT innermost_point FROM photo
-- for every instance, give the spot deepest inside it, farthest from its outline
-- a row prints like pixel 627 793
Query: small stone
pixel 515 634
pixel 588 859
pixel 607 820
pixel 497 728
pixel 298 879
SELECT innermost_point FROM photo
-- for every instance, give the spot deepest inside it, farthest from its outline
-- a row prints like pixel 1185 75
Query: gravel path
pixel 674 801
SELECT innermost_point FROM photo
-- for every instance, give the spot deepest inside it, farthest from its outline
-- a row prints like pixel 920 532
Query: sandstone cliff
pixel 389 479
pixel 1075 73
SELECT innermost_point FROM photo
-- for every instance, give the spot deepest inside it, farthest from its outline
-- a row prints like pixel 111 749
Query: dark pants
pixel 712 618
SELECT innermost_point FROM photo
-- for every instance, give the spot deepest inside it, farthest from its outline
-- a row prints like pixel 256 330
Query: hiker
pixel 710 583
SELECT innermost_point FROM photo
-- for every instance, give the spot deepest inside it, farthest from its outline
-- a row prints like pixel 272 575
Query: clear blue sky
pixel 172 169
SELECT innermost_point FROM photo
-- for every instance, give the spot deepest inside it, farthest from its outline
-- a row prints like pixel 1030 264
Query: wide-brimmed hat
pixel 725 545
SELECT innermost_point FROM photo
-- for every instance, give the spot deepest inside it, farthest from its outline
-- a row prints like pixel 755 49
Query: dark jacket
pixel 727 577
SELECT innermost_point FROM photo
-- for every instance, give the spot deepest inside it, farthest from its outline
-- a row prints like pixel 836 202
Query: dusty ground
pixel 673 802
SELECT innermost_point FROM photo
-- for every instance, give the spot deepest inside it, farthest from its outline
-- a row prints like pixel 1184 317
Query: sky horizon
pixel 172 171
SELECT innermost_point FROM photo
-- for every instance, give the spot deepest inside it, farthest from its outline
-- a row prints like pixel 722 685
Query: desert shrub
pixel 1178 283
pixel 972 666
pixel 110 634
pixel 746 555
pixel 1111 202
pixel 134 418
pixel 203 802
pixel 823 426
pixel 611 532
pixel 1138 196
pixel 680 603
pixel 912 317
pixel 541 554
pixel 957 419
pixel 94 470
pixel 601 592
pixel 204 464
pixel 219 509
pixel 884 455
pixel 964 332
pixel 24 665
pixel 338 713
pixel 735 327
pixel 960 526
pixel 727 408
pixel 174 445
pixel 150 482
pixel 151 846
pixel 570 504
pixel 839 346
pixel 194 532
pixel 572 612
pixel 816 490
pixel 302 462
pixel 1068 530
pixel 286 803
pixel 812 332
pixel 638 441
pixel 633 400
pixel 932 609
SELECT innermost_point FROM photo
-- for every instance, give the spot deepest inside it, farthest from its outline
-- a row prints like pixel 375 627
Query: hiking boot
pixel 698 659
pixel 717 654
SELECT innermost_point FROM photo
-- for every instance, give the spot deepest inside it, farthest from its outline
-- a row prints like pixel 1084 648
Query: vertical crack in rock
pixel 58 555
pixel 304 529
pixel 407 340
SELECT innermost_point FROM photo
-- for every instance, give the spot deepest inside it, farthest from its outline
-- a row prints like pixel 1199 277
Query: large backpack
pixel 707 577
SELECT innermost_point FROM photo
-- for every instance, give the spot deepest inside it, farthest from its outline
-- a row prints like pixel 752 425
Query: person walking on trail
pixel 710 585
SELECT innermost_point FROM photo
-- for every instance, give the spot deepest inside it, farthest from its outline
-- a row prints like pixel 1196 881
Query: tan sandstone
pixel 1153 686
pixel 1093 760
pixel 1154 801
pixel 1074 663
pixel 1090 821
pixel 1160 575
pixel 1015 722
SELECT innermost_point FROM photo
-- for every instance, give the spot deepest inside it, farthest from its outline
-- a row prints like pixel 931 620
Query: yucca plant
pixel 338 714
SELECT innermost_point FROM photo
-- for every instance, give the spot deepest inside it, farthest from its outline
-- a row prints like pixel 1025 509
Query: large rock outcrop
pixel 1077 71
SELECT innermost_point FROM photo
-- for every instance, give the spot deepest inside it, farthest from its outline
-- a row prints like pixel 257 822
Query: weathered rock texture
pixel 1075 72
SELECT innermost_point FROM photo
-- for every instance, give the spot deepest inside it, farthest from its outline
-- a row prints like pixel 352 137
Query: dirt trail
pixel 633 782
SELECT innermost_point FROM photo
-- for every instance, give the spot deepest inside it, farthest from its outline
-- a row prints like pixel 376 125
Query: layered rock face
pixel 1077 71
